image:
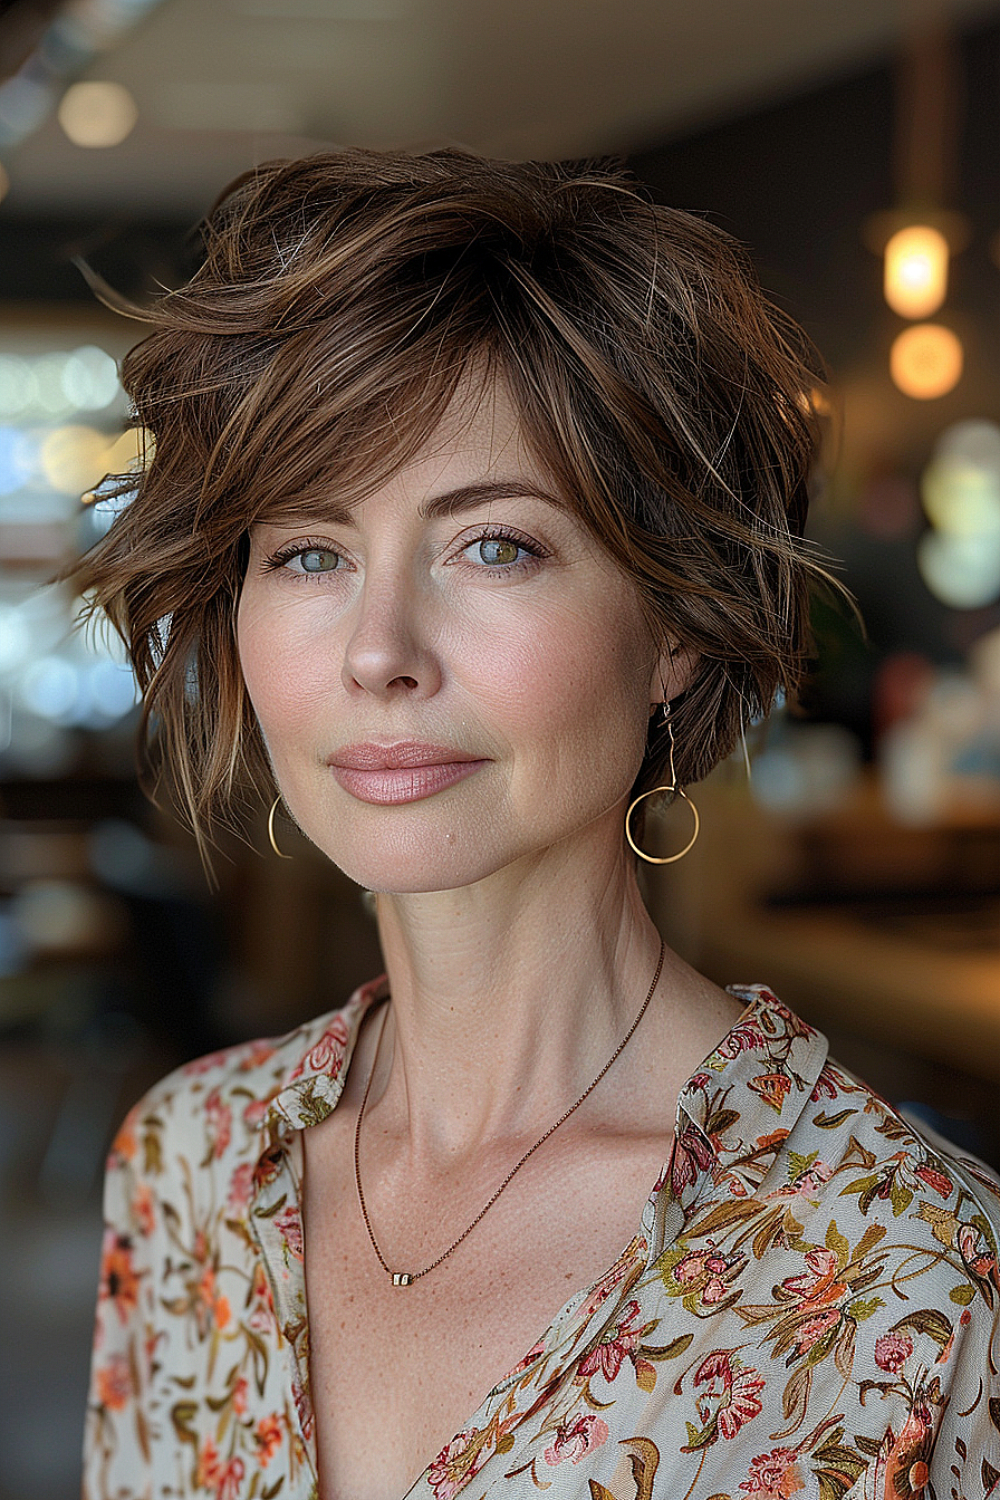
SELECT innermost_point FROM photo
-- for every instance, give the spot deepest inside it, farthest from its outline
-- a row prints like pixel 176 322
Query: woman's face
pixel 452 675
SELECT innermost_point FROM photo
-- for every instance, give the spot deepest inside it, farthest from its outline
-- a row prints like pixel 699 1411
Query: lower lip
pixel 391 788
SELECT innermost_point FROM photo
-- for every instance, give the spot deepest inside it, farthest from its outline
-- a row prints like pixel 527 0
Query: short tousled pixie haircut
pixel 340 302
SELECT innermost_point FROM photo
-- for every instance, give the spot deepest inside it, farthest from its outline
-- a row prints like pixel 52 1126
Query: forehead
pixel 477 449
pixel 479 436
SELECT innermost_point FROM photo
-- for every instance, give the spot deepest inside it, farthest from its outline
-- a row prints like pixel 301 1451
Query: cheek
pixel 286 675
pixel 573 692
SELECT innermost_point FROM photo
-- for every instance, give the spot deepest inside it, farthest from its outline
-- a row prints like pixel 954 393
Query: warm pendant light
pixel 916 271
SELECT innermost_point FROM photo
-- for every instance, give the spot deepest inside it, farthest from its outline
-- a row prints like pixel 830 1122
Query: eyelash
pixel 536 552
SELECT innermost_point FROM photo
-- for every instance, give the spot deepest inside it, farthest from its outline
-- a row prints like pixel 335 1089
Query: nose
pixel 389 652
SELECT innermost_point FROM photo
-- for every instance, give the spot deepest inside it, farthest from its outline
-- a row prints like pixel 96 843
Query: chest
pixel 397 1372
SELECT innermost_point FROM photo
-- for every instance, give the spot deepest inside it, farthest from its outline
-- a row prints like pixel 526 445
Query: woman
pixel 474 516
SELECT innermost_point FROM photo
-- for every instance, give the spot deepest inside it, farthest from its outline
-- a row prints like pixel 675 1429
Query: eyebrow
pixel 450 503
pixel 468 496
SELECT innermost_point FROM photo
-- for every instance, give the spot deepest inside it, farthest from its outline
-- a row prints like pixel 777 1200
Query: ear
pixel 673 671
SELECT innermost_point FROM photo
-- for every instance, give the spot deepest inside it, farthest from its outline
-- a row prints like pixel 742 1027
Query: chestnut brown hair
pixel 341 300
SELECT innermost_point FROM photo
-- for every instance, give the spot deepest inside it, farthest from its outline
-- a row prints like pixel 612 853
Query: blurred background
pixel 855 147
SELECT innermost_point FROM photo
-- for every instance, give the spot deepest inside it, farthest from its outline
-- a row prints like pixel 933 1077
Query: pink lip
pixel 389 775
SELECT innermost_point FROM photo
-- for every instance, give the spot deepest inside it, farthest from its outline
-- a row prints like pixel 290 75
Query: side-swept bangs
pixel 341 301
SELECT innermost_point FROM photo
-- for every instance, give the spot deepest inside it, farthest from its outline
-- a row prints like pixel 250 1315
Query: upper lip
pixel 366 756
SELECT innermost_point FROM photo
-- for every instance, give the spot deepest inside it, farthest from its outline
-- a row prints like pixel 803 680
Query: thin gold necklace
pixel 407 1278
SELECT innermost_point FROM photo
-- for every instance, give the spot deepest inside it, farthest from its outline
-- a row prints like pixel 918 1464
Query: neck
pixel 508 996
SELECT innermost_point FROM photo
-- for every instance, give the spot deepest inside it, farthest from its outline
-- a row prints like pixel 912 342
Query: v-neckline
pixel 562 1326
pixel 644 1246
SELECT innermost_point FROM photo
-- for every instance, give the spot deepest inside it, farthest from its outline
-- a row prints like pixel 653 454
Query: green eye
pixel 316 560
pixel 497 551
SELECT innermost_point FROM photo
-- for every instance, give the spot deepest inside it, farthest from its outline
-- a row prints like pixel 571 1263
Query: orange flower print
pixel 240 1390
pixel 257 1054
pixel 906 1467
pixel 143 1208
pixel 124 1144
pixel 222 1479
pixel 114 1383
pixel 574 1440
pixel 267 1438
pixel 819 1285
pixel 213 1301
pixel 772 1088
pixel 774 1475
pixel 119 1282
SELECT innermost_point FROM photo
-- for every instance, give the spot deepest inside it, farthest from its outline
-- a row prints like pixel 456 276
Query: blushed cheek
pixel 272 667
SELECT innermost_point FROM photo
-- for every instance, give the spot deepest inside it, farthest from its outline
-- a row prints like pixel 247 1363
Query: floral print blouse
pixel 809 1306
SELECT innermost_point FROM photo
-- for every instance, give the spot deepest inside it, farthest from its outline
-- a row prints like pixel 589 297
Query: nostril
pixel 407 682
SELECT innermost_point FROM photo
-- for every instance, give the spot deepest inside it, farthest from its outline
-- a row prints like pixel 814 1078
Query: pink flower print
pixel 935 1179
pixel 240 1188
pixel 327 1055
pixel 699 1081
pixel 715 1366
pixel 709 1273
pixel 207 1063
pixel 289 1225
pixel 740 1389
pixel 615 1347
pixel 230 1480
pixel 743 1404
pixel 240 1396
pixel 774 1475
pixel 574 1440
pixel 715 1288
pixel 892 1351
pixel 456 1464
pixel 261 1314
pixel 691 1268
pixel 746 1036
pixel 692 1154
pixel 603 1289
pixel 810 1332
pixel 818 1285
pixel 825 1086
pixel 219 1123
pixel 211 1474
pixel 255 1111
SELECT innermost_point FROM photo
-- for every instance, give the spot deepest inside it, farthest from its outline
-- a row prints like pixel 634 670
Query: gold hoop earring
pixel 668 859
pixel 674 790
pixel 270 830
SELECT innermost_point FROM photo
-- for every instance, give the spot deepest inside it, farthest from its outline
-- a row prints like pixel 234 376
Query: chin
pixel 413 862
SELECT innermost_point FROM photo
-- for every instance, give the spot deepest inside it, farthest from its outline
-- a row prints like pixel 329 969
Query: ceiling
pixel 222 84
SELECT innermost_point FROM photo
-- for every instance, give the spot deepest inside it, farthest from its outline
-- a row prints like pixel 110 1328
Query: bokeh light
pixel 959 558
pixel 916 271
pixel 926 361
pixel 97 114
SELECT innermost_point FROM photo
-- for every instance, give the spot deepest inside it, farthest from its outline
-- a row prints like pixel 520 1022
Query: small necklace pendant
pixel 401 1278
